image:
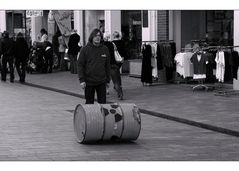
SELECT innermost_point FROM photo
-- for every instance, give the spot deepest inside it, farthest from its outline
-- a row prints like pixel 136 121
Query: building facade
pixel 181 26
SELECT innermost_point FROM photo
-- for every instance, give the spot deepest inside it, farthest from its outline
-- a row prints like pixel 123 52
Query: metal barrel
pixel 88 123
pixel 131 120
pixel 93 122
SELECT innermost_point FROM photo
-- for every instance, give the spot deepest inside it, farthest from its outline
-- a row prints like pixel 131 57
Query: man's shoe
pixel 12 81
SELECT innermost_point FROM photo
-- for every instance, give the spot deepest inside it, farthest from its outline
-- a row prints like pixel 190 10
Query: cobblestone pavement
pixel 37 124
pixel 177 100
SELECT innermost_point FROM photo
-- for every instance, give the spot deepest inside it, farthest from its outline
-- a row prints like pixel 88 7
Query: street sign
pixel 34 13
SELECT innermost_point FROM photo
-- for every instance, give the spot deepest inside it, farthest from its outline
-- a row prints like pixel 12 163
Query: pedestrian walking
pixel 21 56
pixel 110 47
pixel 94 68
pixel 7 48
pixel 62 48
pixel 73 50
pixel 115 67
pixel 48 55
pixel 55 46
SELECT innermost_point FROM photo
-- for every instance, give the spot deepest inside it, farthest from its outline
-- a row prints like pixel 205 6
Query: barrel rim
pixel 78 140
pixel 140 122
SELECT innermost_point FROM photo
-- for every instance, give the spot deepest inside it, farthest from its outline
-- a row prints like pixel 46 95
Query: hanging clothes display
pixel 161 56
pixel 184 67
pixel 220 66
pixel 211 65
pixel 154 60
pixel 146 71
pixel 167 52
pixel 199 61
pixel 235 64
pixel 228 65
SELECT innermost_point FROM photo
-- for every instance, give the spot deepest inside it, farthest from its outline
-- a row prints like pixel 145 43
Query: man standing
pixel 7 48
pixel 94 68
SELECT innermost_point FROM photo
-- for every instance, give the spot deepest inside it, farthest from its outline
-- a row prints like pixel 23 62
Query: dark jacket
pixel 121 48
pixel 73 47
pixel 199 67
pixel 7 47
pixel 55 43
pixel 110 47
pixel 21 49
pixel 94 64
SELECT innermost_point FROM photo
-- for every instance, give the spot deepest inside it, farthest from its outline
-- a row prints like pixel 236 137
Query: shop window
pixel 219 27
pixel 145 18
pixel 131 21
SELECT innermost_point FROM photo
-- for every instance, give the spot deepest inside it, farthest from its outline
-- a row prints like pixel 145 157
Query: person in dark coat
pixel 115 67
pixel 21 56
pixel 7 52
pixel 94 68
pixel 73 50
pixel 48 54
pixel 55 46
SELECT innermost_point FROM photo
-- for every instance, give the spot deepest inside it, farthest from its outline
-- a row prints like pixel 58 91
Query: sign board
pixel 34 13
pixel 63 20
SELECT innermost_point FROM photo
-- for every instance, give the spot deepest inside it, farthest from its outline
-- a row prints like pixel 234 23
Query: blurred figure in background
pixel 21 56
pixel 73 50
pixel 55 46
pixel 7 52
pixel 115 67
pixel 62 48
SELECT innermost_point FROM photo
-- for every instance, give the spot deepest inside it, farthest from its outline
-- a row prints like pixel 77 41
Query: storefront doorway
pixel 132 32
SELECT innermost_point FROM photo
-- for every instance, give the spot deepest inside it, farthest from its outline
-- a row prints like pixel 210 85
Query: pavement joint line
pixel 157 114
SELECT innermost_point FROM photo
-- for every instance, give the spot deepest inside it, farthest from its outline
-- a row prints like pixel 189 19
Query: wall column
pixel 36 25
pixel 112 21
pixel 236 43
pixel 177 29
pixel 2 20
pixel 78 25
pixel 170 25
pixel 150 32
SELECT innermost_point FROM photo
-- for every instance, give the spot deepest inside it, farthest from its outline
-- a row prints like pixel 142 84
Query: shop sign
pixel 34 13
pixel 135 22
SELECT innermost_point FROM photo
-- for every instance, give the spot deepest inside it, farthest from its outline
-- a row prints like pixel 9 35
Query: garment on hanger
pixel 228 66
pixel 154 60
pixel 235 64
pixel 199 65
pixel 159 58
pixel 220 66
pixel 146 71
pixel 184 67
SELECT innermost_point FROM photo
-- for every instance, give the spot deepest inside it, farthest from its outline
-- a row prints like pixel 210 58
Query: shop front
pixel 212 27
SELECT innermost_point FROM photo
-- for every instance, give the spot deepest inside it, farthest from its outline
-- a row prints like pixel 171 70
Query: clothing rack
pixel 156 80
pixel 221 91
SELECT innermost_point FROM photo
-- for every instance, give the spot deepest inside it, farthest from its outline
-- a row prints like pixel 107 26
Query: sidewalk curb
pixel 156 114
